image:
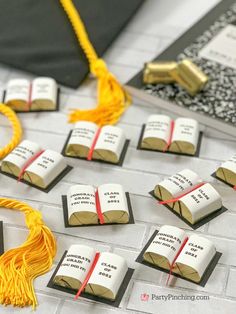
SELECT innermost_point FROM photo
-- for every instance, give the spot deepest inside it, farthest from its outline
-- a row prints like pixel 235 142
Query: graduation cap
pixel 36 36
pixel 43 39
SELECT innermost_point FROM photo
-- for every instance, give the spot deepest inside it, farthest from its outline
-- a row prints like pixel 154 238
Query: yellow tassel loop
pixel 112 97
pixel 20 266
pixel 17 130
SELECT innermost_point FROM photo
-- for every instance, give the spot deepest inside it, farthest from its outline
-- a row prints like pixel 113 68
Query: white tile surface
pixel 211 306
pixel 71 307
pixel 224 225
pixel 141 272
pixel 231 291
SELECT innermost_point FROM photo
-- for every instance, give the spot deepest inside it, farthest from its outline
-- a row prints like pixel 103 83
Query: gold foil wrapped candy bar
pixel 185 73
pixel 190 77
pixel 159 72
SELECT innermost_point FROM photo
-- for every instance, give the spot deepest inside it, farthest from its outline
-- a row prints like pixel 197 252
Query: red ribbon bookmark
pixel 176 256
pixel 97 255
pixel 90 153
pixel 98 208
pixel 234 187
pixel 28 163
pixel 172 125
pixel 177 198
pixel 30 97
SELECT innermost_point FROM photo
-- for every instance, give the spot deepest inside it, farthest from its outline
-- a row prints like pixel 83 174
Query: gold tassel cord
pixel 17 130
pixel 20 266
pixel 112 97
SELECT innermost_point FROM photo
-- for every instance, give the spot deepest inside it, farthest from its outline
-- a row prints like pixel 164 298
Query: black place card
pixel 205 277
pixel 1 238
pixel 66 218
pixel 49 187
pixel 38 110
pixel 115 303
pixel 219 179
pixel 199 223
pixel 120 163
pixel 168 152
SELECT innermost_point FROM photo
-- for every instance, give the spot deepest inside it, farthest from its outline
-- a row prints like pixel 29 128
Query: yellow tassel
pixel 17 130
pixel 20 266
pixel 112 97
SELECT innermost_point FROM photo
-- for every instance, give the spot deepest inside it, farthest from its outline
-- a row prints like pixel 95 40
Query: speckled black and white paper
pixel 218 99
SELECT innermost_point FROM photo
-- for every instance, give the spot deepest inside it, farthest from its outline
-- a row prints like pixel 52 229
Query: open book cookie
pixel 88 141
pixel 85 205
pixel 189 198
pixel 39 95
pixel 189 257
pixel 227 172
pixel 181 136
pixel 36 167
pixel 98 276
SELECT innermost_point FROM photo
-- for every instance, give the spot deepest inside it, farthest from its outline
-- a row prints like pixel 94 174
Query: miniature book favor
pixel 188 257
pixel 187 195
pixel 227 171
pixel 23 95
pixel 176 185
pixel 34 165
pixel 89 141
pixel 104 205
pixel 163 134
pixel 99 274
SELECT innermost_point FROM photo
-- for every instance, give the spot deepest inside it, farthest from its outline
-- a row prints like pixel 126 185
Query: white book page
pixel 111 138
pixel 186 130
pixel 83 133
pixel 81 198
pixel 17 89
pixel 109 271
pixel 22 153
pixel 230 164
pixel 48 166
pixel 112 197
pixel 167 242
pixel 77 262
pixel 158 126
pixel 202 201
pixel 197 253
pixel 221 48
pixel 181 182
pixel 44 88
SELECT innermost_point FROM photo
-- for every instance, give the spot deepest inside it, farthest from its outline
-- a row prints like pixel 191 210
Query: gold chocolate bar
pixel 190 77
pixel 159 72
